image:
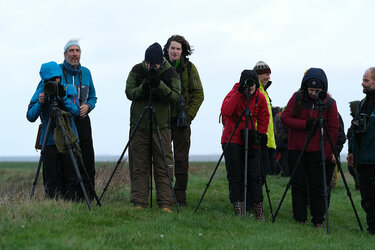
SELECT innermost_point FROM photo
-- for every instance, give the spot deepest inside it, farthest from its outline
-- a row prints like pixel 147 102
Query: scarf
pixel 70 68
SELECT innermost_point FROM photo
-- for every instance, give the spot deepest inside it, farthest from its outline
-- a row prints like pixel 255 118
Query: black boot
pixel 258 211
pixel 238 208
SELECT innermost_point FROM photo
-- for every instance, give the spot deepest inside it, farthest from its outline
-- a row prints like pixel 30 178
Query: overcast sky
pixel 228 37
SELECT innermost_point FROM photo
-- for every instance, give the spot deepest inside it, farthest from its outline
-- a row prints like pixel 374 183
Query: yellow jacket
pixel 271 143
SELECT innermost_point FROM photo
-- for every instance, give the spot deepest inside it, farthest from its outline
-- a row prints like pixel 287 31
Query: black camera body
pixel 360 124
pixel 53 90
pixel 182 120
pixel 320 96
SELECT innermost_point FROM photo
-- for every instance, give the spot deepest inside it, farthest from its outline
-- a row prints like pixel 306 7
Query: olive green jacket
pixel 271 143
pixel 165 94
pixel 193 90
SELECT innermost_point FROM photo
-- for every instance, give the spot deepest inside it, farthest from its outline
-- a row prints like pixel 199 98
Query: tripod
pixel 152 120
pixel 248 115
pixel 322 127
pixel 56 116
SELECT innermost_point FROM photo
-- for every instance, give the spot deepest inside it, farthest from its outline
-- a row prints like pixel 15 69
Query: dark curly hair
pixel 186 49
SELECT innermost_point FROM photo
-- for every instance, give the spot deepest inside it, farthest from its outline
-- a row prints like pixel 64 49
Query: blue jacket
pixel 68 103
pixel 82 81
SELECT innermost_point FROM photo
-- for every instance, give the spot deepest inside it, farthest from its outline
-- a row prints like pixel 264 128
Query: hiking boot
pixel 167 210
pixel 259 211
pixel 318 225
pixel 181 203
pixel 238 208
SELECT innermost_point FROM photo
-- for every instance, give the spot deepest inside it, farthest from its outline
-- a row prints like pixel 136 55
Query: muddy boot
pixel 238 208
pixel 258 211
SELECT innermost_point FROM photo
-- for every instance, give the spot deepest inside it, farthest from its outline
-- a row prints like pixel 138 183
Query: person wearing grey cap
pixel 268 153
pixel 80 77
pixel 154 79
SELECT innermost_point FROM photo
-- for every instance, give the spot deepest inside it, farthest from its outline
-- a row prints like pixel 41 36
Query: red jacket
pixel 234 103
pixel 297 126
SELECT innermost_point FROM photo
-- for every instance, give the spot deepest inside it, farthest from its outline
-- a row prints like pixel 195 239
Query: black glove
pixel 262 139
pixel 310 124
pixel 154 81
pixel 241 88
pixel 61 90
pixel 145 87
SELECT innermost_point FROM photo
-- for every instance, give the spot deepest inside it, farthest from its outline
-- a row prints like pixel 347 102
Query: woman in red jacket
pixel 231 109
pixel 300 115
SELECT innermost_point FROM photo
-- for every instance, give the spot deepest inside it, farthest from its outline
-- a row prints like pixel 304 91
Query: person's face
pixel 73 55
pixel 368 83
pixel 264 78
pixel 174 51
pixel 312 92
pixel 148 65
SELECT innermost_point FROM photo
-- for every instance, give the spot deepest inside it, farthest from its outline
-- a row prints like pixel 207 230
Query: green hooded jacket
pixel 194 95
pixel 271 143
pixel 166 93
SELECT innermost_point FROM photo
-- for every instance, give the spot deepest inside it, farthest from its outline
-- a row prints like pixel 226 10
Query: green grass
pixel 46 224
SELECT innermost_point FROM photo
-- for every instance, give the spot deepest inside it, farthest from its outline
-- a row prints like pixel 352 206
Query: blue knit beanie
pixel 154 54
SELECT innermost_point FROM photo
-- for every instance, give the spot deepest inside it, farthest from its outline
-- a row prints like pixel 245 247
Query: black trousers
pixel 307 183
pixel 235 162
pixel 83 125
pixel 367 188
pixel 59 177
pixel 181 147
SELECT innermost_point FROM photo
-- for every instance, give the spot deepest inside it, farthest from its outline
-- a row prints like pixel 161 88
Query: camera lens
pixel 249 83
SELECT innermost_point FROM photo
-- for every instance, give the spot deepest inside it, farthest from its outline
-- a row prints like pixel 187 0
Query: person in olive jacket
pixel 176 51
pixel 156 75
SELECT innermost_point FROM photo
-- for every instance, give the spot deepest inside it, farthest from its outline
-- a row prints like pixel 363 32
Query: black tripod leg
pixel 70 151
pixel 91 186
pixel 263 174
pixel 343 176
pixel 164 159
pixel 323 163
pixel 294 171
pixel 41 157
pixel 218 163
pixel 123 152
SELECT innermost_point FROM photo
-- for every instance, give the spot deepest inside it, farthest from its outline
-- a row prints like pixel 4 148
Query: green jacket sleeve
pixel 133 90
pixel 196 94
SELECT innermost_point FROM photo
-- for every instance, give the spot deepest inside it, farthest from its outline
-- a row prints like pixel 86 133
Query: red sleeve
pixel 232 99
pixel 288 119
pixel 263 116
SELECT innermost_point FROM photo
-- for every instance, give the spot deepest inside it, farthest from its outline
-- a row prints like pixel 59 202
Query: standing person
pixel 352 168
pixel 362 146
pixel 176 51
pixel 59 177
pixel 80 78
pixel 300 115
pixel 269 152
pixel 233 104
pixel 158 73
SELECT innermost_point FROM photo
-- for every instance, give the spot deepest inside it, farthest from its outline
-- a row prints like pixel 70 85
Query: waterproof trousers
pixel 181 147
pixel 141 168
pixel 235 166
pixel 367 188
pixel 307 183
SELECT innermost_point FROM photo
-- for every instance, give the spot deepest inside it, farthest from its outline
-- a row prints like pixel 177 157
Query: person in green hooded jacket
pixel 176 51
pixel 156 75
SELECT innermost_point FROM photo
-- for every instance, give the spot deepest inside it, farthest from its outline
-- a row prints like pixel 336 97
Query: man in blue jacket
pixel 59 176
pixel 362 147
pixel 80 77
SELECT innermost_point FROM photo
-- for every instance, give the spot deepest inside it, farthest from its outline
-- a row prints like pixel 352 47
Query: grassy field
pixel 46 224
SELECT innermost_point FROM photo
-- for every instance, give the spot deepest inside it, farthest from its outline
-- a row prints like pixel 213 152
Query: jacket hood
pixel 50 70
pixel 315 73
pixel 249 74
